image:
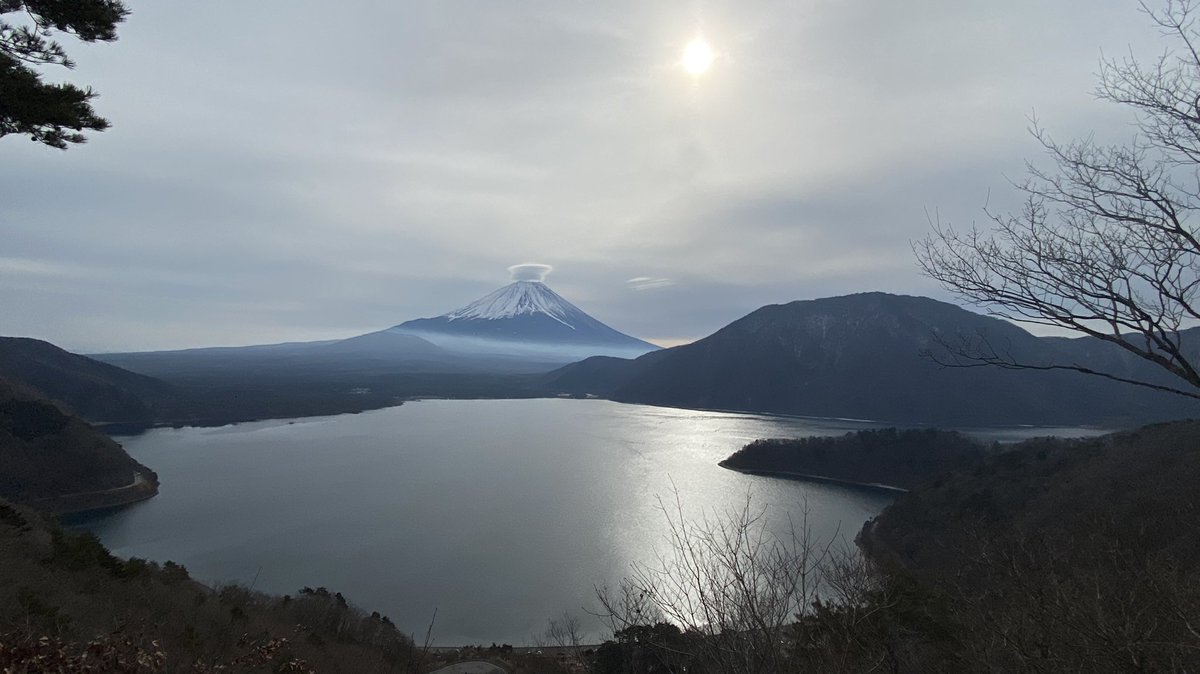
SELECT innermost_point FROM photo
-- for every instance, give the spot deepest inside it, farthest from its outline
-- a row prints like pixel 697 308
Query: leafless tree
pixel 733 589
pixel 1105 243
pixel 1090 601
pixel 565 633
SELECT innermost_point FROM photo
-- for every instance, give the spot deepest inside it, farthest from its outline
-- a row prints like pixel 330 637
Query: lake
pixel 496 514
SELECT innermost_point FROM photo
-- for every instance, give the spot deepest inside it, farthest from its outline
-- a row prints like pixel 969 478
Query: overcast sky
pixel 285 170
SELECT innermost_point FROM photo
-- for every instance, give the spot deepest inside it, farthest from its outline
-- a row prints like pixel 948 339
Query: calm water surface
pixel 498 514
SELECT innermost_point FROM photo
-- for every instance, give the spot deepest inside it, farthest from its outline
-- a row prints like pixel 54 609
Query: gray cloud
pixel 304 173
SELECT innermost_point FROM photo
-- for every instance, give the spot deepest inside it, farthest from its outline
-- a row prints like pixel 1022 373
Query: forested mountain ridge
pixel 95 390
pixel 51 459
pixel 220 386
pixel 874 356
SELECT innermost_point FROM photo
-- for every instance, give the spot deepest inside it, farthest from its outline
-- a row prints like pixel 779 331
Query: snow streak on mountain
pixel 517 299
pixel 525 318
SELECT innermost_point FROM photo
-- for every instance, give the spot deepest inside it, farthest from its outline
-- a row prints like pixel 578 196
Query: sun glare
pixel 697 57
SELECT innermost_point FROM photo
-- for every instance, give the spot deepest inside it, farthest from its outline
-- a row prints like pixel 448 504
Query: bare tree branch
pixel 1105 243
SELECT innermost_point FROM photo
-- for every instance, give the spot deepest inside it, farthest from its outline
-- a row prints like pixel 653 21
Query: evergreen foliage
pixel 52 114
pixel 887 456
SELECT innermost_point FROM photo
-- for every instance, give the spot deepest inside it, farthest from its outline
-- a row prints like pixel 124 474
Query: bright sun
pixel 697 56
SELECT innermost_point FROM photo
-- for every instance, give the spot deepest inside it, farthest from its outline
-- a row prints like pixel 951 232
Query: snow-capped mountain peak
pixel 517 299
pixel 525 318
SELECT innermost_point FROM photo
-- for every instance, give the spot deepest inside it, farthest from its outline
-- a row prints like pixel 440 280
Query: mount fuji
pixel 524 318
pixel 522 328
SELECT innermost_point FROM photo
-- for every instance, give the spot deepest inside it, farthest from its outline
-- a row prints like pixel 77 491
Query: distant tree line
pixel 889 456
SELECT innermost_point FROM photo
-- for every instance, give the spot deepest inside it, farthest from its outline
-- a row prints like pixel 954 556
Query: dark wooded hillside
pixel 47 454
pixel 889 456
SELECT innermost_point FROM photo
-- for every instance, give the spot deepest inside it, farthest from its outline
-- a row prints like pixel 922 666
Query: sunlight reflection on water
pixel 499 514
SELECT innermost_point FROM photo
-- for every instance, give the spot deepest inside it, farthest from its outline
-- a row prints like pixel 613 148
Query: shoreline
pixel 806 477
pixel 130 428
pixel 143 487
